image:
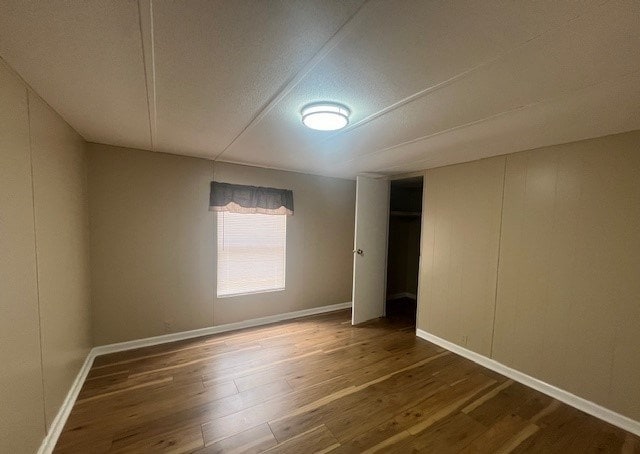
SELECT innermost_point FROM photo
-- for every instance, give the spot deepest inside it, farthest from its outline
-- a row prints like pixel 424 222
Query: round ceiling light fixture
pixel 325 116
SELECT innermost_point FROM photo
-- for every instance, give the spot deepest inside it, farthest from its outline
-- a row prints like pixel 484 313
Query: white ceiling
pixel 429 83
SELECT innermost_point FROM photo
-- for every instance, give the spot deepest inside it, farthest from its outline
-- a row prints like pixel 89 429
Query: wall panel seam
pixel 35 248
pixel 495 296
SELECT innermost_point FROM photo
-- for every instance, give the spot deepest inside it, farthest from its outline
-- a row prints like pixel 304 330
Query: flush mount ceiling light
pixel 325 116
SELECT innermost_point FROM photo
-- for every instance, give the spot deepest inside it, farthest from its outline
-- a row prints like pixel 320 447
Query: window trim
pixel 257 292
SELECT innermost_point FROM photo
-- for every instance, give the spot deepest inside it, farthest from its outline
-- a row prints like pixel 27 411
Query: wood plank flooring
pixel 318 384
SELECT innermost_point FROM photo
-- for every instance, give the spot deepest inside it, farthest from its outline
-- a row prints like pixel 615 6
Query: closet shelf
pixel 406 213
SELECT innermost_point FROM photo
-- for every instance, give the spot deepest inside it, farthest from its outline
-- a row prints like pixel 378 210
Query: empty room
pixel 319 226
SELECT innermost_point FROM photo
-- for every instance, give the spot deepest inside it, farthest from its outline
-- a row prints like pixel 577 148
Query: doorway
pixel 403 254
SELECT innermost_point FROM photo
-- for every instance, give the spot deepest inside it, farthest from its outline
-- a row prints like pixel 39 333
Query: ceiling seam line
pixel 483 156
pixel 427 91
pixel 282 169
pixel 490 117
pixel 146 74
pixel 152 46
pixel 293 81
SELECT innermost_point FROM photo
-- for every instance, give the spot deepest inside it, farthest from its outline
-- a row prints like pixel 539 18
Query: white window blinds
pixel 251 253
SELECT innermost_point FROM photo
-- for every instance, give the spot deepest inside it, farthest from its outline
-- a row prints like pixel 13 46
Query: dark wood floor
pixel 319 385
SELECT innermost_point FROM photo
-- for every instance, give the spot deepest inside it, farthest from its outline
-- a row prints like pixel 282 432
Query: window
pixel 251 253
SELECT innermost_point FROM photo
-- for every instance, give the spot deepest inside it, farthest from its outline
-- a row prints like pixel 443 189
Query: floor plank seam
pixel 319 386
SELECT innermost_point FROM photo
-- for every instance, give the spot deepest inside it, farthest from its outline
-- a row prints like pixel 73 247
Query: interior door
pixel 370 249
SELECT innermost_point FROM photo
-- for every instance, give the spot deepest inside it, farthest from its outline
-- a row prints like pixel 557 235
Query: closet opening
pixel 403 255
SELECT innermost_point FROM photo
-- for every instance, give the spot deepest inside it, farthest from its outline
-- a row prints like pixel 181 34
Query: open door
pixel 370 249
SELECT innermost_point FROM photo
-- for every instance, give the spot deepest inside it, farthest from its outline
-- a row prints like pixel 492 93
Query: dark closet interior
pixel 403 256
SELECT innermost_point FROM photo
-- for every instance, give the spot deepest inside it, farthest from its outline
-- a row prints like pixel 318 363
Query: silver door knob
pixel 359 251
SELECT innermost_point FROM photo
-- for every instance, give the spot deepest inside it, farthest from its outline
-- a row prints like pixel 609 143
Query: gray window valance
pixel 238 198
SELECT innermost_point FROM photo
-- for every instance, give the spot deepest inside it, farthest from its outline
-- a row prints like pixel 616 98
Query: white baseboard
pixel 149 341
pixel 59 421
pixel 50 440
pixel 397 296
pixel 568 398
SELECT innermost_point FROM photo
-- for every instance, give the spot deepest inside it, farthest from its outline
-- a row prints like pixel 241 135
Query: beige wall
pixel 566 291
pixel 44 285
pixel 460 252
pixel 568 304
pixel 62 240
pixel 153 243
pixel 319 243
pixel 21 395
